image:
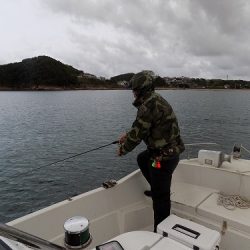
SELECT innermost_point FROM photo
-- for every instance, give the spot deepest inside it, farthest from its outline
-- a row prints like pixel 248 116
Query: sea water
pixel 40 127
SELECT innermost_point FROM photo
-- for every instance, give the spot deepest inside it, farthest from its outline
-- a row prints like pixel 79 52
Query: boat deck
pixel 125 208
pixel 195 192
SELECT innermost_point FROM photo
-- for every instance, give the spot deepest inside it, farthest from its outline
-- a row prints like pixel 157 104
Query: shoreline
pixel 104 88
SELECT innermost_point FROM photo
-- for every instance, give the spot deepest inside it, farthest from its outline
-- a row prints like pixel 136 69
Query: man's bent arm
pixel 138 132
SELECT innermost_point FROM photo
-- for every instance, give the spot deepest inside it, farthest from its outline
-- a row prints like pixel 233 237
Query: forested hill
pixel 38 71
pixel 44 72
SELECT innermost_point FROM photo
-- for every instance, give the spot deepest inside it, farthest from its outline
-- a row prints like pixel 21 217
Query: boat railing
pixel 190 145
pixel 29 240
pixel 248 151
pixel 236 151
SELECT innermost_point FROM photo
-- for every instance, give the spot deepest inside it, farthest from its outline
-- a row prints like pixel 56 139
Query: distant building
pixel 81 75
pixel 87 75
pixel 123 83
pixel 102 78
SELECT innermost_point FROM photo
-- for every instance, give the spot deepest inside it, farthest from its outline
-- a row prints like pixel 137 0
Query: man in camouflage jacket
pixel 157 126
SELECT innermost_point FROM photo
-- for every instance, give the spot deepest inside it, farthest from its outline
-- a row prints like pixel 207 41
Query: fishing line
pixel 67 158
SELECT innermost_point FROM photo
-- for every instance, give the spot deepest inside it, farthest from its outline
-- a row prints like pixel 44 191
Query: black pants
pixel 160 182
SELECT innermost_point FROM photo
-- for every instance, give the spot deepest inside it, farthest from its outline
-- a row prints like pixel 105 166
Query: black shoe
pixel 148 193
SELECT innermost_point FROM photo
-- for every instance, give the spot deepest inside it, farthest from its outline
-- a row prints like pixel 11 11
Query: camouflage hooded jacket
pixel 155 124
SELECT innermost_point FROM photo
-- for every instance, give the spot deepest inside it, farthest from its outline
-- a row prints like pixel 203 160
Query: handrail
pixel 198 144
pixel 201 143
pixel 29 240
pixel 245 149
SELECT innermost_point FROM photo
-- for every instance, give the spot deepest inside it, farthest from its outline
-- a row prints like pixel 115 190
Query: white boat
pixel 124 214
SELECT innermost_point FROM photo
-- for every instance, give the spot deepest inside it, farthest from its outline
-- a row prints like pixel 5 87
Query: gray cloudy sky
pixel 196 38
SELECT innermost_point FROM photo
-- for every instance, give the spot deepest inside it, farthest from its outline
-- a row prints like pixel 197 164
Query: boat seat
pixel 187 197
pixel 237 218
pixel 200 201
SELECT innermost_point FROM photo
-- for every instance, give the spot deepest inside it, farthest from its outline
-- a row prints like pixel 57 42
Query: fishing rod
pixel 67 158
pixel 88 151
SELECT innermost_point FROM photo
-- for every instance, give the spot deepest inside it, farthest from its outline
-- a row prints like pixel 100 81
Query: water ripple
pixel 37 128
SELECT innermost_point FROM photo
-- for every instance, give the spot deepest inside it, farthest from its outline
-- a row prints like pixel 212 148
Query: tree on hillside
pixel 41 70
